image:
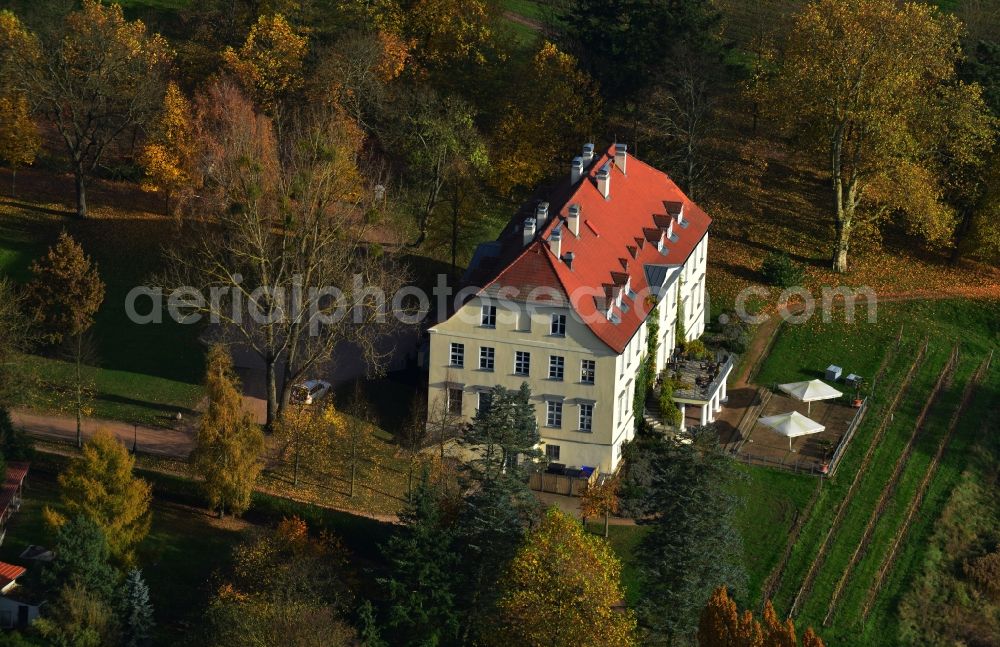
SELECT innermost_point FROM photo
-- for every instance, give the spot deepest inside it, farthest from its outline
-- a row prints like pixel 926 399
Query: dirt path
pixel 164 442
pixel 524 20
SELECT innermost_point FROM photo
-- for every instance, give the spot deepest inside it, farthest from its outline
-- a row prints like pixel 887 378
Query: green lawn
pixel 803 351
pixel 937 603
pixel 799 353
pixel 770 503
pixel 624 540
pixel 141 372
pixel 529 9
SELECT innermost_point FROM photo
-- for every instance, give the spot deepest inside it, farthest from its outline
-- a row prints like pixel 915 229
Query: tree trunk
pixel 844 199
pixel 843 240
pixel 13 182
pixel 354 461
pixel 964 226
pixel 295 468
pixel 81 193
pixel 607 522
pixel 271 380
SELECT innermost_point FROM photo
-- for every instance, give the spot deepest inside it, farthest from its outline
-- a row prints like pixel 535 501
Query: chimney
pixel 573 219
pixel 529 230
pixel 576 170
pixel 555 241
pixel 588 154
pixel 542 214
pixel 568 258
pixel 621 156
pixel 604 181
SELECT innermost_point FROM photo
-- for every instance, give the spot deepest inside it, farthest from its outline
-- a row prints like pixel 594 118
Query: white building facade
pixel 564 302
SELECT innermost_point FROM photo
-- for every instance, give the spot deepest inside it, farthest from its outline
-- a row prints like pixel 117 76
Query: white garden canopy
pixel 810 391
pixel 792 424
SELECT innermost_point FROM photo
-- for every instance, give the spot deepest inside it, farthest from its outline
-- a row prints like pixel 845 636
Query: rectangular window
pixel 524 321
pixel 485 400
pixel 489 316
pixel 552 452
pixel 553 413
pixel 558 325
pixel 557 367
pixel 455 401
pixel 588 371
pixel 486 358
pixel 457 355
pixel 522 362
pixel 586 417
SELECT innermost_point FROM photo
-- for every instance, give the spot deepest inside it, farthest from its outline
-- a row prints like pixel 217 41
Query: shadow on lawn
pixel 27 206
pixel 168 409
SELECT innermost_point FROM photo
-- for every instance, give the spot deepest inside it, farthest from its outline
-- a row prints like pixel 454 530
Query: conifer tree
pixel 691 531
pixel 136 613
pixel 493 519
pixel 228 446
pixel 421 590
pixel 15 445
pixel 81 558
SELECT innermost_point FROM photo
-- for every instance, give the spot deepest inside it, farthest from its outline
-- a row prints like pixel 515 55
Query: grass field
pixel 771 501
pixel 861 346
pixel 624 540
pixel 140 373
pixel 937 602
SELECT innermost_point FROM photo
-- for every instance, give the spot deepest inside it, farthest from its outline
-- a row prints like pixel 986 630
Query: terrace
pixel 702 383
pixel 697 382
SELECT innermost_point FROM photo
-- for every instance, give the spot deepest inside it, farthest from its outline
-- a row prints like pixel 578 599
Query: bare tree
pixel 283 253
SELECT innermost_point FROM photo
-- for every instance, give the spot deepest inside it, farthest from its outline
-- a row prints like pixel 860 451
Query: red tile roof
pixel 16 472
pixel 642 202
pixel 9 573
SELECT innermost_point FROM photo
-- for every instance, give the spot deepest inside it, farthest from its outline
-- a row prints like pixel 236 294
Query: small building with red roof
pixel 563 300
pixel 10 493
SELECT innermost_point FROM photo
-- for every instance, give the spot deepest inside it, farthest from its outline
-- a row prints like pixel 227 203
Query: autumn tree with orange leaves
pixel 286 588
pixel 870 86
pixel 93 79
pixel 170 155
pixel 19 138
pixel 269 63
pixel 552 109
pixel 100 484
pixel 227 448
pixel 63 296
pixel 601 500
pixel 563 589
pixel 721 625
